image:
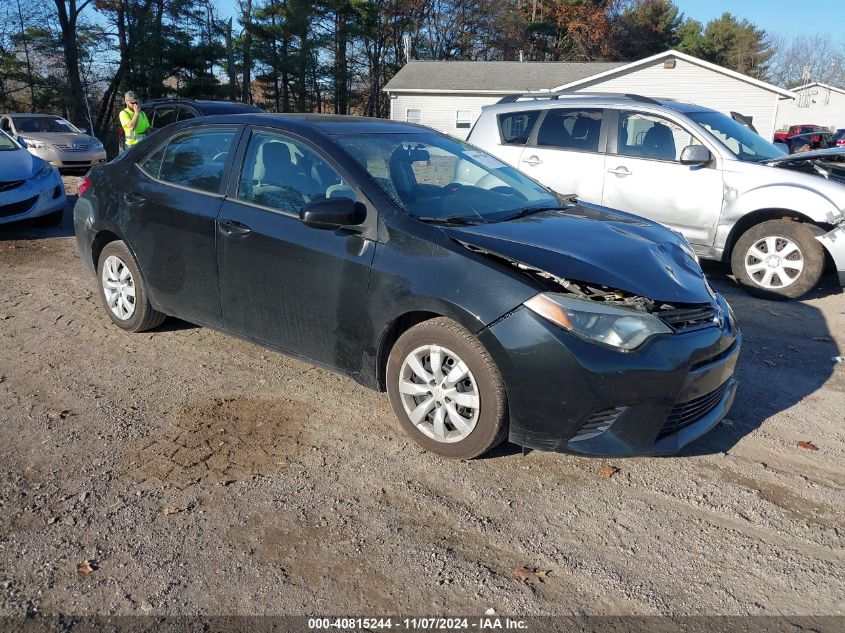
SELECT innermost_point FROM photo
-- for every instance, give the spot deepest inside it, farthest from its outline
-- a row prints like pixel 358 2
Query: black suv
pixel 167 110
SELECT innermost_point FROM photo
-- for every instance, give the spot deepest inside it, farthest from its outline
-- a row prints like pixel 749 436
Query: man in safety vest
pixel 133 121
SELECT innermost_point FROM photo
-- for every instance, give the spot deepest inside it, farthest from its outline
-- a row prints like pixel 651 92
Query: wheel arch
pixel 759 216
pixel 101 239
pixel 396 328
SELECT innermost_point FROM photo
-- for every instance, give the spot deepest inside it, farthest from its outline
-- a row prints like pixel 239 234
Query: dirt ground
pixel 198 474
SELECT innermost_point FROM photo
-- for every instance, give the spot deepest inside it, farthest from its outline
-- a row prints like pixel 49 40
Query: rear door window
pixel 515 127
pixel 186 113
pixel 194 159
pixel 163 116
pixel 574 129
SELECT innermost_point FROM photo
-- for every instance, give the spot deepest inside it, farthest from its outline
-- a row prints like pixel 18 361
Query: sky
pixel 780 17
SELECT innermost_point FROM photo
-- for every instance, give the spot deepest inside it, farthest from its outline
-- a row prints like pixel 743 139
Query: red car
pixel 804 128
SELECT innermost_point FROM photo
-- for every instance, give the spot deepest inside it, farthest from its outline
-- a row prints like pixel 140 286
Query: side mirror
pixel 333 213
pixel 695 155
pixel 22 141
pixel 84 130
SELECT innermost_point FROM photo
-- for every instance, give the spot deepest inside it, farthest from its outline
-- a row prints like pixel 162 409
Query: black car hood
pixel 596 245
pixel 835 154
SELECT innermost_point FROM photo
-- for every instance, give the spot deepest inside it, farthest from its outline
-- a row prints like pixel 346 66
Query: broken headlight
pixel 609 325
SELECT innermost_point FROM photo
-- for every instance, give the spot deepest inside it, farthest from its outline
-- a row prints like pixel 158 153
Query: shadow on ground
pixel 788 354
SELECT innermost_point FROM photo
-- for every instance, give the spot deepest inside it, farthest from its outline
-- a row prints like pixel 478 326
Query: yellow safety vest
pixel 140 132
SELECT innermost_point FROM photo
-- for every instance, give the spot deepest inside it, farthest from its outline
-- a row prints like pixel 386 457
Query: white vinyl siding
pixel 695 84
pixel 820 106
pixel 439 111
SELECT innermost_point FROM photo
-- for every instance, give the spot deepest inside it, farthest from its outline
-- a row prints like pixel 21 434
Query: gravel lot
pixel 198 474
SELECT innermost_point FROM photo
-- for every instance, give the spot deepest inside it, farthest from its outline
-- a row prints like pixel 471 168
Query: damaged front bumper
pixel 834 243
pixel 567 394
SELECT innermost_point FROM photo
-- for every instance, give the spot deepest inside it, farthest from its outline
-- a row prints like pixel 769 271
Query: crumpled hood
pixel 596 245
pixel 18 164
pixel 829 154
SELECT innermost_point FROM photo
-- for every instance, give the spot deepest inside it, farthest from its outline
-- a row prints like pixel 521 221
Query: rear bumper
pixel 567 394
pixel 834 243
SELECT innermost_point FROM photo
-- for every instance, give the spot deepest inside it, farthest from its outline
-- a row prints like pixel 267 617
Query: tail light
pixel 840 141
pixel 83 186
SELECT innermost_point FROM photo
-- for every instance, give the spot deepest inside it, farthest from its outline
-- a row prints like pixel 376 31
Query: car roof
pixel 207 106
pixel 34 115
pixel 321 124
pixel 592 99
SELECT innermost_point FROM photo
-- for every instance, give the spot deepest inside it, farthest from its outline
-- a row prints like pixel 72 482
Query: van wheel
pixel 778 259
pixel 123 291
pixel 446 390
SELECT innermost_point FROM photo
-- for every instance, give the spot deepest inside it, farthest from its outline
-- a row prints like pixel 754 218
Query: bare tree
pixel 807 58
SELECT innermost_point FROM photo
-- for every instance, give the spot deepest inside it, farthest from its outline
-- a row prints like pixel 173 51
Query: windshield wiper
pixel 456 221
pixel 526 211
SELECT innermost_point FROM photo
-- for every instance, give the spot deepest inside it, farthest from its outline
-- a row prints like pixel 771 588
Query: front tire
pixel 778 259
pixel 123 290
pixel 446 390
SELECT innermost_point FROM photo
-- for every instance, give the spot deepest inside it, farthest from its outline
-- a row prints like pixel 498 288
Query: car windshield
pixel 6 143
pixel 742 142
pixel 43 124
pixel 438 178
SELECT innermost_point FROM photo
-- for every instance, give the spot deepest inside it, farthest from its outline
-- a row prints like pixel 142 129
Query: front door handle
pixel 532 160
pixel 621 172
pixel 134 198
pixel 231 228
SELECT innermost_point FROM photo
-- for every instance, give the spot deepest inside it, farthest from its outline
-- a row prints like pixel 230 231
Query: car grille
pixel 597 424
pixel 684 318
pixel 10 184
pixel 690 412
pixel 15 208
pixel 81 147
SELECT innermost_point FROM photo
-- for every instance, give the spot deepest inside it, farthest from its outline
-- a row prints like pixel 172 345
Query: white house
pixel 448 96
pixel 815 103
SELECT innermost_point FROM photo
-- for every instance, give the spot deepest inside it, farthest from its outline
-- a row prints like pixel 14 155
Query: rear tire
pixel 123 290
pixel 778 259
pixel 440 374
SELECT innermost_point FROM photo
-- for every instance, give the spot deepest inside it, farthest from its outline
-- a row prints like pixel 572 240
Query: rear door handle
pixel 134 198
pixel 231 228
pixel 532 160
pixel 619 171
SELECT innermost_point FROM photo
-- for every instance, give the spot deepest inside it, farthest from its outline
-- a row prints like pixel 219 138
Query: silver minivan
pixel 732 194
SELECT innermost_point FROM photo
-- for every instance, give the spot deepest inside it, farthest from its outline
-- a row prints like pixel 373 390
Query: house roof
pixel 818 84
pixel 623 69
pixel 491 77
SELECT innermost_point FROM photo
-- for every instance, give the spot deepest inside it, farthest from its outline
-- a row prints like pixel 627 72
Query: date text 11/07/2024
pixel 418 624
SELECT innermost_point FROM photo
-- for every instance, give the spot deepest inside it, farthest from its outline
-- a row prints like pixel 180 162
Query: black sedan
pixel 487 306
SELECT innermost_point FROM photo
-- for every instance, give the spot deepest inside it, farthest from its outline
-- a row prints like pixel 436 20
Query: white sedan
pixel 30 188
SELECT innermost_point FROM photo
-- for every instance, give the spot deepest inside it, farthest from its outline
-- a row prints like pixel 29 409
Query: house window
pixel 413 115
pixel 463 119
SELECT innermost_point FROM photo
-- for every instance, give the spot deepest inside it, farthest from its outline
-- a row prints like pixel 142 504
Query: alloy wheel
pixel 118 287
pixel 439 393
pixel 774 262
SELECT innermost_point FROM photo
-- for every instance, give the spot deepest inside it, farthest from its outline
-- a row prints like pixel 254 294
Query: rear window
pixel 194 158
pixel 515 127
